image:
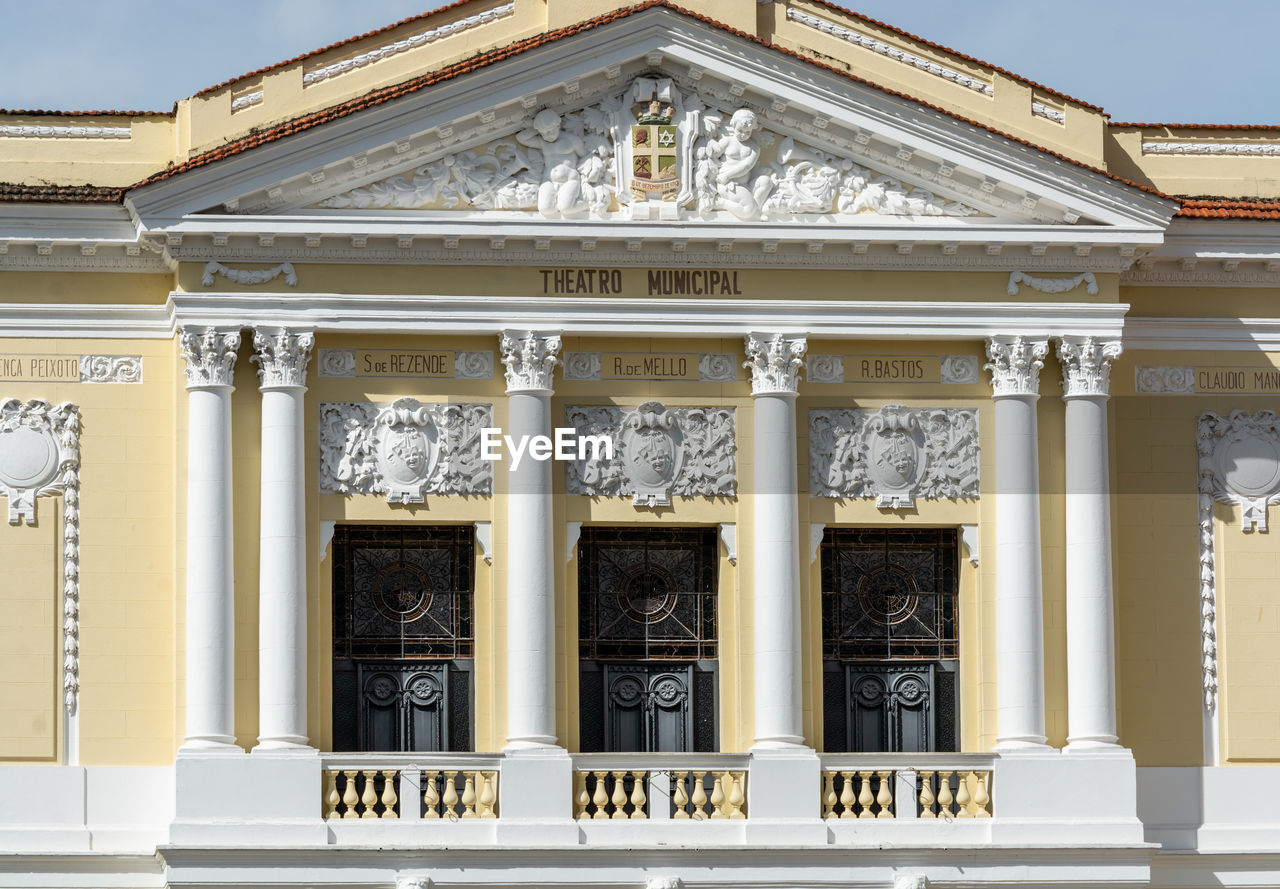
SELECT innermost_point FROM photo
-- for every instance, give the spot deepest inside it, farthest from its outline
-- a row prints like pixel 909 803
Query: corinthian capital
pixel 1086 365
pixel 1015 364
pixel 210 355
pixel 530 359
pixel 775 361
pixel 282 358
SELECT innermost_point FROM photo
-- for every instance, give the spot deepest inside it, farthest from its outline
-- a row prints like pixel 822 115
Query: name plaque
pixel 892 369
pixel 648 366
pixel 1207 380
pixel 654 282
pixel 403 363
pixel 40 368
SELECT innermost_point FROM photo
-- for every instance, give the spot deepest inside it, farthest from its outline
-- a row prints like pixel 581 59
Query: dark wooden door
pixel 649 707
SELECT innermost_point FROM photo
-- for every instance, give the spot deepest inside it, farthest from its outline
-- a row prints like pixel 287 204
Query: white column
pixel 530 359
pixel 282 575
pixel 775 362
pixel 1091 680
pixel 211 357
pixel 1015 365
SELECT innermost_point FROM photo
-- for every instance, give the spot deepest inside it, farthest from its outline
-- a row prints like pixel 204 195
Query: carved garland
pixel 249 276
pixel 658 452
pixel 40 455
pixel 1239 463
pixel 1053 285
pixel 895 454
pixel 404 449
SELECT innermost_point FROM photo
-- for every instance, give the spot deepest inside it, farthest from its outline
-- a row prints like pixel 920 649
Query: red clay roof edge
pixel 1198 126
pixel 45 112
pixel 968 58
pixel 384 94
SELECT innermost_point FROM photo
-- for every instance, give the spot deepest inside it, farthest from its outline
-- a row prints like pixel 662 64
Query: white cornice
pixel 646 317
pixel 623 48
pixel 87 321
pixel 1226 334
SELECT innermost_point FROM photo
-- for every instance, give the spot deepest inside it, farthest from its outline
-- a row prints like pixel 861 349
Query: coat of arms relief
pixel 649 150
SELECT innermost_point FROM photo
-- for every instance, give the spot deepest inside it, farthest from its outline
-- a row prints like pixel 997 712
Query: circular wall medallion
pixel 28 458
pixel 401 593
pixel 1250 466
pixel 648 595
pixel 888 594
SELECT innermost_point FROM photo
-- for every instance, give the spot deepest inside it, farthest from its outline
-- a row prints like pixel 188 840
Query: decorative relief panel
pixel 653 150
pixel 1239 463
pixel 110 368
pixel 658 453
pixel 473 365
pixel 404 449
pixel 895 454
pixel 40 454
pixel 1164 380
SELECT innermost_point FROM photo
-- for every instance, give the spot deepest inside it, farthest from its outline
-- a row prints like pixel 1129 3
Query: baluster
pixel 926 795
pixel 619 798
pixel 332 799
pixel 944 795
pixel 736 797
pixel 637 795
pixel 349 795
pixel 583 798
pixel 430 795
pixel 488 794
pixel 680 796
pixel 450 794
pixel 699 799
pixel 369 798
pixel 981 797
pixel 389 797
pixel 829 798
pixel 884 798
pixel 865 799
pixel 717 795
pixel 963 798
pixel 469 795
pixel 847 797
pixel 600 798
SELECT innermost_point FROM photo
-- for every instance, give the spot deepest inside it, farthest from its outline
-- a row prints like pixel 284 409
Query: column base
pixel 290 744
pixel 783 743
pixel 547 743
pixel 210 744
pixel 1102 744
pixel 1024 744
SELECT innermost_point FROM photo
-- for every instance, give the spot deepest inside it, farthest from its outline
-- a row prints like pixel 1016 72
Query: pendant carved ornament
pixel 404 449
pixel 658 453
pixel 895 454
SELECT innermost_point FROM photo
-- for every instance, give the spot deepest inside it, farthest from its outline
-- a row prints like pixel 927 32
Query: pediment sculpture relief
pixel 895 454
pixel 404 449
pixel 658 453
pixel 650 150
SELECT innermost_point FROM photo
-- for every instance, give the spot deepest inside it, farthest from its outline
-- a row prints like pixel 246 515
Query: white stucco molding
pixel 612 316
pixel 1203 334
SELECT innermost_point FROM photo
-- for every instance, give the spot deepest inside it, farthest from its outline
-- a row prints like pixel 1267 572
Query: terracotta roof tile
pixel 968 58
pixel 333 46
pixel 1271 127
pixel 388 93
pixel 43 112
pixel 60 194
pixel 1229 209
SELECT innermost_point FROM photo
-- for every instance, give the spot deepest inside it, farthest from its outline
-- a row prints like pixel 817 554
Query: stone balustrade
pixel 673 787
pixel 391 786
pixel 906 786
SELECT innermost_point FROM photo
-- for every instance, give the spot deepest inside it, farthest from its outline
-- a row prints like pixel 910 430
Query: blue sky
pixel 1177 61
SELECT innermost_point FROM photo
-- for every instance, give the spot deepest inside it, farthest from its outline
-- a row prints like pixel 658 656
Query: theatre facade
pixel 548 443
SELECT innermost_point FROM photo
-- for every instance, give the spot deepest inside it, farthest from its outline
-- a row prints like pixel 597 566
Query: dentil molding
pixel 1015 364
pixel 210 355
pixel 658 452
pixel 530 359
pixel 39 455
pixel 895 454
pixel 1239 463
pixel 775 362
pixel 404 449
pixel 1086 365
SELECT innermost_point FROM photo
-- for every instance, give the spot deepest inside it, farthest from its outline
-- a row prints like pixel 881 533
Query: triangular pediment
pixel 655 125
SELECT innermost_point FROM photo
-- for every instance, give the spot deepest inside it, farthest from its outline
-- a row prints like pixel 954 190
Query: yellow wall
pixel 30 635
